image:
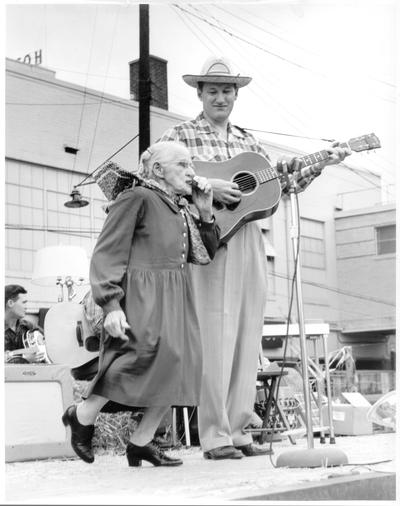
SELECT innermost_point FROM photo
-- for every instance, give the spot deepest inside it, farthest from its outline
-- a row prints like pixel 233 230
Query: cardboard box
pixel 350 417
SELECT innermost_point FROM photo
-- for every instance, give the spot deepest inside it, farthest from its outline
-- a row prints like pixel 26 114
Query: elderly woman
pixel 150 354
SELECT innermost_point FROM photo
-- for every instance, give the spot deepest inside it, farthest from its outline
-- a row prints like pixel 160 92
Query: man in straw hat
pixel 231 290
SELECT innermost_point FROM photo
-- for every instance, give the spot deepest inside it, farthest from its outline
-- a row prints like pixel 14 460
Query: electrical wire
pixel 56 230
pixel 273 81
pixel 288 319
pixel 106 160
pixel 298 235
pixel 245 40
pixel 273 101
pixel 43 104
pixel 339 291
pixel 363 464
pixel 289 135
pixel 104 101
pixel 291 43
pixel 276 274
pixel 70 71
pixel 274 35
pixel 104 84
pixel 230 32
pixel 262 92
pixel 117 101
pixel 78 135
pixel 302 115
pixel 203 39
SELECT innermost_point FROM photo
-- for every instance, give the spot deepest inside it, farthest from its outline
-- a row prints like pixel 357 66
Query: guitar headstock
pixel 364 143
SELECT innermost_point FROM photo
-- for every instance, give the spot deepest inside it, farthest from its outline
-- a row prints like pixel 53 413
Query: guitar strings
pixel 246 182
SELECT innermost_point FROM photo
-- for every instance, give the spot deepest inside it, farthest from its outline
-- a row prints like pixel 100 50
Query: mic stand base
pixel 312 457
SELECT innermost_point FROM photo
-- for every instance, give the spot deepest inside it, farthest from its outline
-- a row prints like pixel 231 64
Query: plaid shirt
pixel 205 144
pixel 14 340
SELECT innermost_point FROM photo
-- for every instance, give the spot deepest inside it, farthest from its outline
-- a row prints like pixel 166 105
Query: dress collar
pixel 175 204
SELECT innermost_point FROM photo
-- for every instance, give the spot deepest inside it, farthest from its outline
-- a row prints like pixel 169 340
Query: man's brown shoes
pixel 223 452
pixel 252 451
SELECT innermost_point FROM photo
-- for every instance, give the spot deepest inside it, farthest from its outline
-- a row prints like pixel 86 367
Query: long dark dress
pixel 140 260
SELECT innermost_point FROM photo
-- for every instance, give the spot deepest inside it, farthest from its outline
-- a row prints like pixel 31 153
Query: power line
pixel 257 46
pixel 59 84
pixel 41 104
pixel 89 231
pixel 85 87
pixel 290 42
pixel 200 39
pixel 261 96
pixel 106 160
pixel 289 135
pixel 70 71
pixel 339 291
pixel 243 39
pixel 56 230
pixel 101 100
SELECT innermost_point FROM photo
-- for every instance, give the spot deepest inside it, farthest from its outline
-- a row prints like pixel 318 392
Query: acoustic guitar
pixel 259 183
pixel 67 332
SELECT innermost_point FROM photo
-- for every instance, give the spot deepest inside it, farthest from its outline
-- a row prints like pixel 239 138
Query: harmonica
pixel 193 183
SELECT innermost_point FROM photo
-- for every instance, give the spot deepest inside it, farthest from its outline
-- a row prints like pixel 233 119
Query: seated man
pixel 23 341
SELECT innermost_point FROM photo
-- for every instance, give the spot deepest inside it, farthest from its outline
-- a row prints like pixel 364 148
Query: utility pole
pixel 144 80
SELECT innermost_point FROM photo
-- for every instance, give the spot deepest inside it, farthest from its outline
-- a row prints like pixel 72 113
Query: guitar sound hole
pixel 246 181
pixel 218 205
pixel 232 206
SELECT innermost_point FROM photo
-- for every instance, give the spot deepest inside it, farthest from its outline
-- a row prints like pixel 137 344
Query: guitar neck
pixel 270 173
pixel 319 156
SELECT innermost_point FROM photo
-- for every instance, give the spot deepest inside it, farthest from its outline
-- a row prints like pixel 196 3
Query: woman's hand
pixel 225 191
pixel 115 324
pixel 202 196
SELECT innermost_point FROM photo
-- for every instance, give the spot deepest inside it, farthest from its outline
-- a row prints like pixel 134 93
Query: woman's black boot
pixel 152 453
pixel 81 435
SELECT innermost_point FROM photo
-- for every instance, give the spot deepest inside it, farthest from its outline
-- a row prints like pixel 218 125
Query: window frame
pixel 379 241
pixel 322 240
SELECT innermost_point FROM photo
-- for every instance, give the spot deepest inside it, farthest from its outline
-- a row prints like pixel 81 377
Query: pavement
pixel 109 480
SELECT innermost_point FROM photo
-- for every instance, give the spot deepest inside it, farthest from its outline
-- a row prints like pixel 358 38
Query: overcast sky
pixel 322 69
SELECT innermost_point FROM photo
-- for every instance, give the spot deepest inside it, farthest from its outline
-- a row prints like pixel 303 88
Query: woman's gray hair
pixel 160 152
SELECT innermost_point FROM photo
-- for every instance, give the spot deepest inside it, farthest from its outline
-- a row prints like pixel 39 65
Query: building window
pixel 36 217
pixel 386 239
pixel 312 239
pixel 24 215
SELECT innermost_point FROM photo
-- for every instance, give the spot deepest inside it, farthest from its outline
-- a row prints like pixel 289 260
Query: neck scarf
pixel 113 179
pixel 197 252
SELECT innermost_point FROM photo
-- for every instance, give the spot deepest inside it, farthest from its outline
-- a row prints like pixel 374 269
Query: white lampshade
pixel 60 262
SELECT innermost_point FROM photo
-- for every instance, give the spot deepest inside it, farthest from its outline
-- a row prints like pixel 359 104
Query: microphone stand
pixel 310 457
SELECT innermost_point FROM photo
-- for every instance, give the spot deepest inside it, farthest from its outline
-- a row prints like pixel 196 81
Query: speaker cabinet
pixel 36 396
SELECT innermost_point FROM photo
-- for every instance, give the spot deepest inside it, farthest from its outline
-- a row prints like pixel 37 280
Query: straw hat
pixel 216 70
